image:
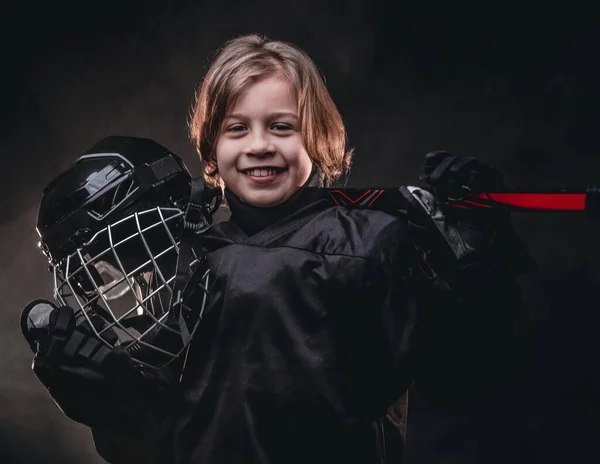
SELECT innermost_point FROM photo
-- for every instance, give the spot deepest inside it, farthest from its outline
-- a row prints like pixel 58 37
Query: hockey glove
pixel 91 383
pixel 476 244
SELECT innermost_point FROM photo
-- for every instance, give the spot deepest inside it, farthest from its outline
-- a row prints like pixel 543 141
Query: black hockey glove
pixel 480 244
pixel 91 383
pixel 451 175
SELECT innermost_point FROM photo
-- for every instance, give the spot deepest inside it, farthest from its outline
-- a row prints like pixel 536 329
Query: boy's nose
pixel 260 146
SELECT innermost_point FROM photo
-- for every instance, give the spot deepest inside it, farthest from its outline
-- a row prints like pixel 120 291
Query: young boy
pixel 318 318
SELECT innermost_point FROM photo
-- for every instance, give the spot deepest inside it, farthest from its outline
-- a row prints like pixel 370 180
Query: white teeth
pixel 261 172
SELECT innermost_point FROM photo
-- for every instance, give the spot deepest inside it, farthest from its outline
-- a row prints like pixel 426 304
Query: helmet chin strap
pixel 197 219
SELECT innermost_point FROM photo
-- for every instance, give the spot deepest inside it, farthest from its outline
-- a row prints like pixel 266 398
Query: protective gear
pixel 466 248
pixel 450 175
pixel 308 337
pixel 91 383
pixel 113 227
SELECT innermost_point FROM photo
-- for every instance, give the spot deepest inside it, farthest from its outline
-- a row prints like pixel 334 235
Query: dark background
pixel 513 87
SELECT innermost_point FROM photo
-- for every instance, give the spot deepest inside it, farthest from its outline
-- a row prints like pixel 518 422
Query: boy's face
pixel 260 153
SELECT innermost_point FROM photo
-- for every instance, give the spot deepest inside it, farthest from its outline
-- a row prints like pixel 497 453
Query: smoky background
pixel 514 88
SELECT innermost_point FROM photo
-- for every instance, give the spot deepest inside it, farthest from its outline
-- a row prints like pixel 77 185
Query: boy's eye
pixel 236 128
pixel 281 127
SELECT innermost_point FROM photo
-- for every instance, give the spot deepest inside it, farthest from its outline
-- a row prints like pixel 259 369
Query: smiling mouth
pixel 263 172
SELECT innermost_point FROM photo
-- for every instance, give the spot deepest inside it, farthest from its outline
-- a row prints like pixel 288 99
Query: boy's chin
pixel 266 199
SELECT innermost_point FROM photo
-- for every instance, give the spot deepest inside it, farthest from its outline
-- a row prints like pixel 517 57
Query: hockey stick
pixel 559 200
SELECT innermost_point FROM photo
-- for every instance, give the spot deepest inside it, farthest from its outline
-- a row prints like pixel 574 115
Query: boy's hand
pixel 450 175
pixel 482 241
pixel 91 383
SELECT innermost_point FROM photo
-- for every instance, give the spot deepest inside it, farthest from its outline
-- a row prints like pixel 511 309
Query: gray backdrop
pixel 517 89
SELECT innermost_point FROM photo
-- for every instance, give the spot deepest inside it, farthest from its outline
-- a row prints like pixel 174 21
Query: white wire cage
pixel 121 283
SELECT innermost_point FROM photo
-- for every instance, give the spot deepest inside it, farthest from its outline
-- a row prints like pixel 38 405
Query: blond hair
pixel 243 61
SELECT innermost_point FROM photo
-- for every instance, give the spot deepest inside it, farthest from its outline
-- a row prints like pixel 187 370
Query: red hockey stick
pixel 560 200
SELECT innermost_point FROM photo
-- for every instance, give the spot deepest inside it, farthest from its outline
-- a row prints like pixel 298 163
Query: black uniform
pixel 317 323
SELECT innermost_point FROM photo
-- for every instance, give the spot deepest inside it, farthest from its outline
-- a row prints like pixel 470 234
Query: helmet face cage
pixel 120 283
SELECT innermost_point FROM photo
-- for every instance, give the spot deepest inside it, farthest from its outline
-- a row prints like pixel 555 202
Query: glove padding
pixel 91 383
pixel 483 242
pixel 451 175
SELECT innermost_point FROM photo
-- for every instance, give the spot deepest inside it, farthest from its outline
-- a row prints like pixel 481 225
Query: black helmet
pixel 111 227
